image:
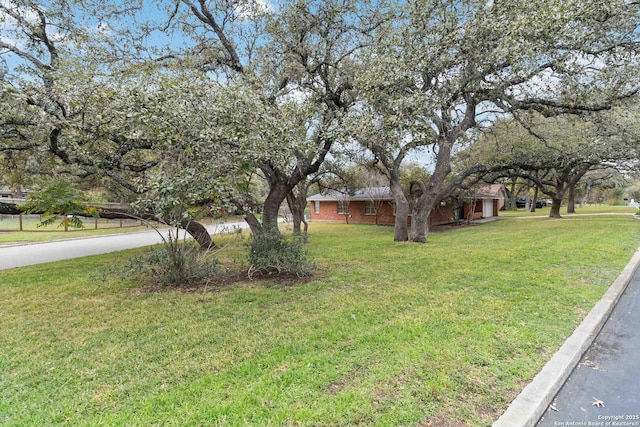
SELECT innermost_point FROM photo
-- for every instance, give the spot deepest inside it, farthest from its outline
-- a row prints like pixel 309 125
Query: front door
pixel 487 208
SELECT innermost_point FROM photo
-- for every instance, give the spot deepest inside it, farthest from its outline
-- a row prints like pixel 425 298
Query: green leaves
pixel 58 200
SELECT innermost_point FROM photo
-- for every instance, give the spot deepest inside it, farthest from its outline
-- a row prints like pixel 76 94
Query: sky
pixel 151 10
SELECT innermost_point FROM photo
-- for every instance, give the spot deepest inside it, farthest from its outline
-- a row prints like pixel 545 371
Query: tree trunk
pixel 571 201
pixel 199 233
pixel 566 182
pixel 420 222
pixel 401 227
pixel 297 223
pixel 534 199
pixel 297 202
pixel 254 224
pixel 555 207
pixel 297 214
pixel 513 196
pixel 585 197
pixel 429 193
pixel 422 205
pixel 432 191
pixel 277 194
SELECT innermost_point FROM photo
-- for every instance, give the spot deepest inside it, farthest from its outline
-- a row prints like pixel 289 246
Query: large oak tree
pixel 453 66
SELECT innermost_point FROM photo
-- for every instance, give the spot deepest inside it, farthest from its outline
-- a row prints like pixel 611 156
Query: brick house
pixel 493 198
pixel 374 205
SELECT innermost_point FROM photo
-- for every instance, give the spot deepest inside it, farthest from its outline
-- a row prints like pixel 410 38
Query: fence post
pixel 20 216
pixel 120 222
pixel 96 223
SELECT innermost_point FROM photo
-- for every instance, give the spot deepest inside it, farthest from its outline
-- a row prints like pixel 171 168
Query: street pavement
pixel 604 388
pixel 37 253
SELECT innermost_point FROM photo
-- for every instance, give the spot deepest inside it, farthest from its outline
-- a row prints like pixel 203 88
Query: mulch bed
pixel 230 278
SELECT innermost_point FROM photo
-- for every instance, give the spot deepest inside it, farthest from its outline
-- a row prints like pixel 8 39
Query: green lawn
pixel 387 334
pixel 10 229
pixel 10 226
pixel 587 209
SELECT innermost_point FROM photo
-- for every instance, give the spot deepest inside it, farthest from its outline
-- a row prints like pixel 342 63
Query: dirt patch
pixel 229 278
pixel 339 385
pixel 439 421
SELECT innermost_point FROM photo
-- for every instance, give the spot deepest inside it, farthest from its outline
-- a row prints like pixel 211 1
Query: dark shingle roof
pixel 370 193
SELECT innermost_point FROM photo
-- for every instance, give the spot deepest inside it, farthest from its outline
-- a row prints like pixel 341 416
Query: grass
pixel 388 334
pixel 587 209
pixel 10 229
pixel 10 226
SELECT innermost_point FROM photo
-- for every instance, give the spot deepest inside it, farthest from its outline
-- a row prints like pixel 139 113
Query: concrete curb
pixel 527 409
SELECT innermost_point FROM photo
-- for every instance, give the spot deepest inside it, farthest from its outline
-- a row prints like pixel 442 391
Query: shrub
pixel 271 253
pixel 174 264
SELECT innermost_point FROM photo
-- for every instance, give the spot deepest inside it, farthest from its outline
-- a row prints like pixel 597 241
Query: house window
pixel 316 208
pixel 369 208
pixel 343 208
